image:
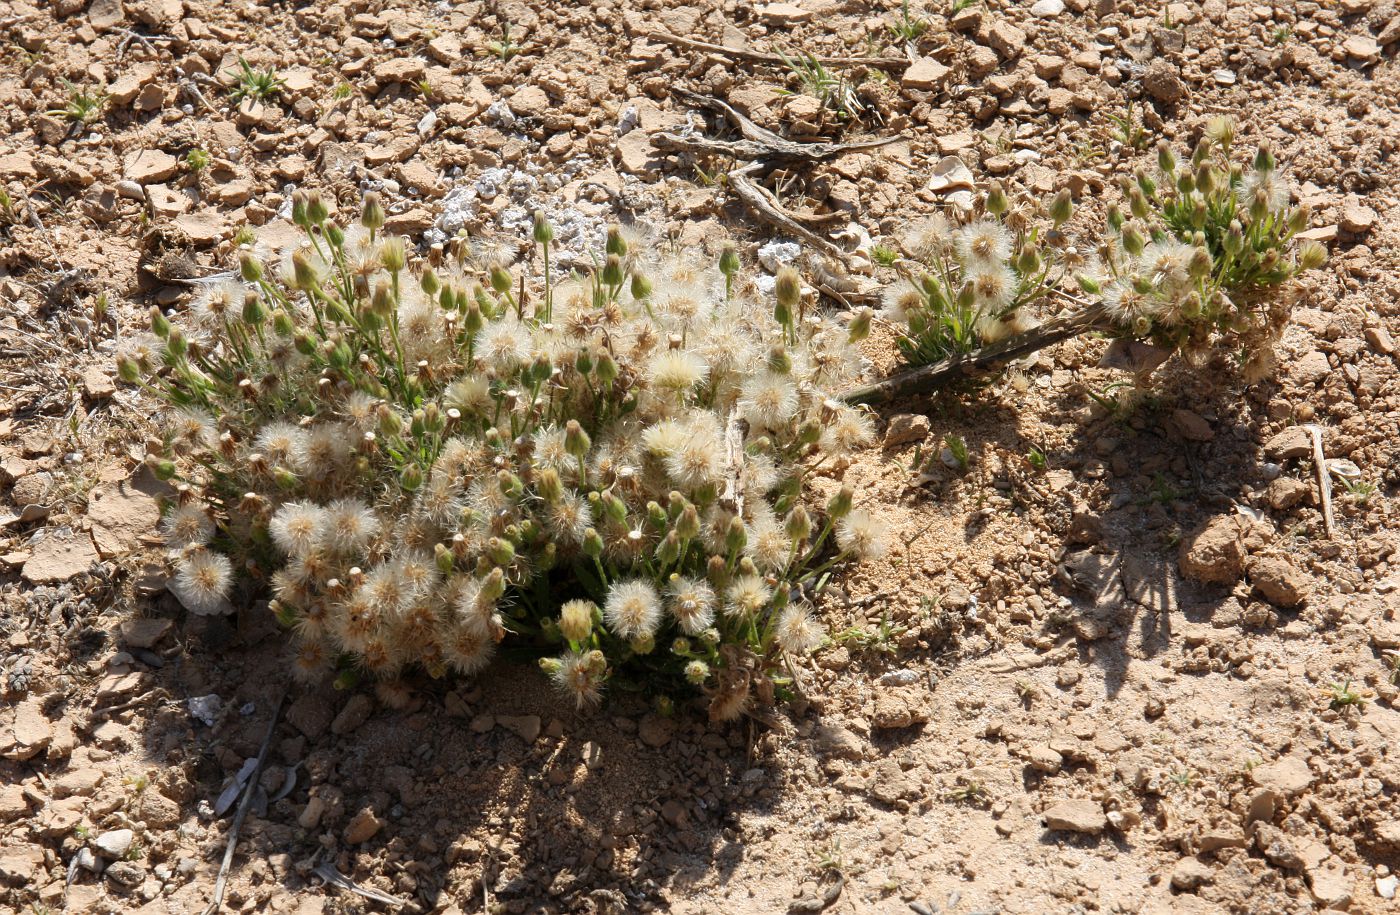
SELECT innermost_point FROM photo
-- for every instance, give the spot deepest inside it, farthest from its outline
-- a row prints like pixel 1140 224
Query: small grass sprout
pixel 424 467
pixel 258 85
pixel 884 255
pixel 81 106
pixel 1128 129
pixel 1342 696
pixel 833 90
pixel 908 27
pixel 504 48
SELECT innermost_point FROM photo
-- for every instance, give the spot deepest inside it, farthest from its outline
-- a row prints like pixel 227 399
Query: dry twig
pixel 891 64
pixel 249 790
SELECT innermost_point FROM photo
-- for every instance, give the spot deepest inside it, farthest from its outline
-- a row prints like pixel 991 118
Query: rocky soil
pixel 1142 675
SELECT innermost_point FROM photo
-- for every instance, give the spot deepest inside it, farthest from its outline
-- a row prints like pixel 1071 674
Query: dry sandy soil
pixel 1141 679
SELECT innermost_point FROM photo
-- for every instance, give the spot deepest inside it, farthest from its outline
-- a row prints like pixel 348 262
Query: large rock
pixel 1215 553
pixel 57 559
pixel 1281 584
pixel 1081 815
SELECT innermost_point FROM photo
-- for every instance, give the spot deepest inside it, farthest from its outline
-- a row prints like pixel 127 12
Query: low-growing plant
pixel 258 85
pixel 609 470
pixel 197 160
pixel 1204 257
pixel 973 281
pixel 908 27
pixel 80 106
pixel 833 90
pixel 505 48
pixel 884 255
pixel 1128 130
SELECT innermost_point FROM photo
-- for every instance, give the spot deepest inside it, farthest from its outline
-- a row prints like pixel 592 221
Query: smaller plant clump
pixel 1203 253
pixel 1204 256
pixel 609 471
pixel 81 106
pixel 257 85
pixel 974 281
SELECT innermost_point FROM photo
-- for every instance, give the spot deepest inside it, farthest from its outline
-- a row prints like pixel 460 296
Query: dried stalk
pixel 980 362
pixel 890 64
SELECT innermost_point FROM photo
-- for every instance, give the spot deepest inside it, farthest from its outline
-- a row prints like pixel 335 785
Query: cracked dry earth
pixel 1143 678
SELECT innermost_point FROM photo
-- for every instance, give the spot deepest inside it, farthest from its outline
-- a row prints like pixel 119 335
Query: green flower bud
pixel 501 280
pixel 510 484
pixel 543 232
pixel 688 524
pixel 160 324
pixel 176 344
pixel 305 275
pixel 128 370
pixel 443 559
pixel 299 209
pixel 1311 255
pixel 1166 159
pixel 606 369
pixel 798 525
pixel 250 268
pixel 1206 178
pixel 163 469
pixel 576 441
pixel 1137 204
pixel 656 515
pixel 334 234
pixel 616 244
pixel 431 284
pixel 1234 239
pixel 411 477
pixel 729 259
pixel 253 312
pixel 612 275
pixel 1145 182
pixel 549 485
pixel 500 551
pixel 282 323
pixel 1298 219
pixel 840 504
pixel 788 289
pixel 643 645
pixel 576 620
pixel 614 508
pixel 860 324
pixel 669 549
pixel 284 478
pixel 1200 264
pixel 997 203
pixel 736 536
pixel 392 253
pixel 778 359
pixel 1028 261
pixel 316 210
pixel 472 320
pixel 493 585
pixel 641 287
pixel 1133 242
pixel 592 543
pixel 1061 207
pixel 372 212
pixel 1264 158
pixel 304 344
pixel 1115 218
pixel 551 666
pixel 717 572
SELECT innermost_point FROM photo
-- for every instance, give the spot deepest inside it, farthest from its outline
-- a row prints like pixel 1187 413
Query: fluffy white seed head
pixel 202 581
pixel 633 609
